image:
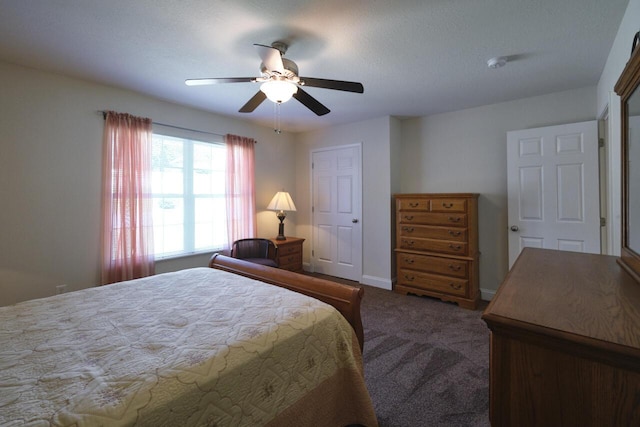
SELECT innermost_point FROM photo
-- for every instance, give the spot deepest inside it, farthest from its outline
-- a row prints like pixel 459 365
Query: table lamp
pixel 281 203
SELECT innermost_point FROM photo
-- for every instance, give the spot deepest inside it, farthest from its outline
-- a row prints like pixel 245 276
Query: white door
pixel 337 205
pixel 553 190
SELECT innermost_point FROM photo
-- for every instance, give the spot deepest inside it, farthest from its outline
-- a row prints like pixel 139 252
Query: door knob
pixel 514 228
pixel 354 220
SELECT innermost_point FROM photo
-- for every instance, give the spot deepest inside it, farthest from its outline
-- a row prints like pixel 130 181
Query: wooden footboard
pixel 346 299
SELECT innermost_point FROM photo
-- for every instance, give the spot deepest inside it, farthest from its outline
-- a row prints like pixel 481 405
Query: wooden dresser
pixel 437 246
pixel 565 342
pixel 289 253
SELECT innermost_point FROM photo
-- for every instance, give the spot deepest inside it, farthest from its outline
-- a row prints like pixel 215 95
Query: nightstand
pixel 289 253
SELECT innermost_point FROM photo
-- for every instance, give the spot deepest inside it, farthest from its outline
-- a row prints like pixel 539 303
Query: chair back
pixel 254 248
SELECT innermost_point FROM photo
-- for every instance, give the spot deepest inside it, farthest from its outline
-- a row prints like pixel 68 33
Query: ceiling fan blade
pixel 213 81
pixel 310 102
pixel 217 80
pixel 271 58
pixel 333 84
pixel 253 103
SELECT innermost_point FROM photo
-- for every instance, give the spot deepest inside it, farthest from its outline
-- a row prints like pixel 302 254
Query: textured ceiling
pixel 414 58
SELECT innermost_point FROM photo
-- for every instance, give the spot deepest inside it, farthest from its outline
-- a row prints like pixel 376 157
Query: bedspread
pixel 198 347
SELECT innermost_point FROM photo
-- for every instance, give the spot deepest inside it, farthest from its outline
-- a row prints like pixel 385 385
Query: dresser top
pixel 287 240
pixel 584 298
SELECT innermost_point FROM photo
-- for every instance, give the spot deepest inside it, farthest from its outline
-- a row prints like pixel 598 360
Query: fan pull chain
pixel 276 118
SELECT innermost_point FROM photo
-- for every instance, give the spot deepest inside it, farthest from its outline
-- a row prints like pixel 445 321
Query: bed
pixel 217 346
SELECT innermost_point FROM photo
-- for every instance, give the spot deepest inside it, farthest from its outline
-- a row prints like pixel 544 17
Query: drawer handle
pixel 454 233
pixel 454 267
pixel 409 278
pixel 447 205
pixel 454 218
pixel 409 260
pixel 408 242
pixel 456 286
pixel 408 229
pixel 455 247
pixel 414 204
pixel 408 217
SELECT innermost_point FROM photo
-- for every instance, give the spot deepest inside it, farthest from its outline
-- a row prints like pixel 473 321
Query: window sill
pixel 188 255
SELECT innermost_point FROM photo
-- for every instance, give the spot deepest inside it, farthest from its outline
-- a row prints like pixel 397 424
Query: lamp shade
pixel 281 202
pixel 278 91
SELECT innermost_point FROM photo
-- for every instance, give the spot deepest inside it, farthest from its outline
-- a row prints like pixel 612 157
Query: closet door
pixel 336 210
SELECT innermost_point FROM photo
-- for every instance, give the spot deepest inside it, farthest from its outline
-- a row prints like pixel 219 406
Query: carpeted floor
pixel 426 361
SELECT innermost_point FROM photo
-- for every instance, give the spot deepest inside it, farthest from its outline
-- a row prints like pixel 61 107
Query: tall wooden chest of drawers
pixel 437 246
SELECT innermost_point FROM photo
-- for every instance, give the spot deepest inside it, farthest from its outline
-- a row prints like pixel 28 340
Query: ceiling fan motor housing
pixel 290 69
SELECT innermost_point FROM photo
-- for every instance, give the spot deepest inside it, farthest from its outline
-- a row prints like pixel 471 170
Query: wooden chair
pixel 256 250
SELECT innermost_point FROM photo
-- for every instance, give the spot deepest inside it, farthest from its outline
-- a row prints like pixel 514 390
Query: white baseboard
pixel 374 281
pixel 487 294
pixel 377 282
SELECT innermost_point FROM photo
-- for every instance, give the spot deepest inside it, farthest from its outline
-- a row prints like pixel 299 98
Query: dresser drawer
pixel 432 282
pixel 291 262
pixel 448 205
pixel 427 232
pixel 413 204
pixel 285 250
pixel 429 245
pixel 430 264
pixel 429 218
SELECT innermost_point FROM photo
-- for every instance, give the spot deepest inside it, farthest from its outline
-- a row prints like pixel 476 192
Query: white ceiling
pixel 414 58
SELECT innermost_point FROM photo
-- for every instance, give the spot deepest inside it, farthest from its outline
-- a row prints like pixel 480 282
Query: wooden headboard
pixel 346 299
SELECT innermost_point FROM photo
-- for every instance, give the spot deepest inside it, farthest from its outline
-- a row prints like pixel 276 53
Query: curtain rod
pixel 104 115
pixel 187 129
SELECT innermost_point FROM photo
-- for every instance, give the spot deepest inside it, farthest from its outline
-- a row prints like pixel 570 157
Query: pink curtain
pixel 127 230
pixel 241 197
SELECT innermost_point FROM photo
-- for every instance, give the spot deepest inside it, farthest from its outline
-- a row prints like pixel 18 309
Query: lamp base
pixel 281 228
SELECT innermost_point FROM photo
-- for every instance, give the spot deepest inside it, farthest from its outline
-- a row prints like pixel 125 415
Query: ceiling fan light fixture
pixel 278 91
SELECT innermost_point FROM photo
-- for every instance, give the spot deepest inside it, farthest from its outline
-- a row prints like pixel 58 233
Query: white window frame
pixel 188 196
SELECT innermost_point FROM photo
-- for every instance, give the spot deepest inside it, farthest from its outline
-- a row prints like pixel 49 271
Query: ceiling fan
pixel 280 81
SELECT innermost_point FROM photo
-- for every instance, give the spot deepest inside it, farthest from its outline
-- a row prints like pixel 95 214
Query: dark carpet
pixel 426 361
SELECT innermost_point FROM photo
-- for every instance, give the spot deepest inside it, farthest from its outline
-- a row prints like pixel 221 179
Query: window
pixel 188 186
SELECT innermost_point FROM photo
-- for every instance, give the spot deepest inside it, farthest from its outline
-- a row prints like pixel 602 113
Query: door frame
pixel 603 142
pixel 312 233
pixel 611 113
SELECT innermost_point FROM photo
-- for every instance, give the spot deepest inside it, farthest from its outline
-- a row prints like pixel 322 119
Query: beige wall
pixel 462 151
pixel 50 172
pixel 465 151
pixel 375 136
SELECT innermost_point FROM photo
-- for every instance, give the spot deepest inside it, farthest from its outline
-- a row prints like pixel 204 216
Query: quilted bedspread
pixel 197 347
